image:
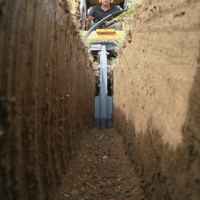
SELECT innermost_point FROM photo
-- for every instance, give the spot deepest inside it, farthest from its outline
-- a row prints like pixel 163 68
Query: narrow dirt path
pixel 102 170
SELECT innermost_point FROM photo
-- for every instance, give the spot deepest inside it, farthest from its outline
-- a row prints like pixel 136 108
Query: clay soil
pixel 101 170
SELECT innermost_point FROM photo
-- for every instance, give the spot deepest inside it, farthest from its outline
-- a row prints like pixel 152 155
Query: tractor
pixel 102 42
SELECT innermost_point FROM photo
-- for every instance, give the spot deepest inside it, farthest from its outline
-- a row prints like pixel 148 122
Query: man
pixel 102 10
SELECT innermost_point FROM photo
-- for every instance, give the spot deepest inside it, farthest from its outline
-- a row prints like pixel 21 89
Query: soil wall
pixel 46 96
pixel 157 95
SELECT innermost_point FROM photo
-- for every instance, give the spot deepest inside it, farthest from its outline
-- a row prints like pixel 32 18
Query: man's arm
pixel 91 15
pixel 116 8
pixel 89 19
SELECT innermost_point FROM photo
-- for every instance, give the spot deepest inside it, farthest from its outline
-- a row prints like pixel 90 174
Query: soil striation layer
pixel 46 96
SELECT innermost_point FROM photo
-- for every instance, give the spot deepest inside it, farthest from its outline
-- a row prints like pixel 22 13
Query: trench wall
pixel 46 96
pixel 157 95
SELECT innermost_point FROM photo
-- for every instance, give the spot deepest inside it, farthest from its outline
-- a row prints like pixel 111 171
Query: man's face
pixel 105 2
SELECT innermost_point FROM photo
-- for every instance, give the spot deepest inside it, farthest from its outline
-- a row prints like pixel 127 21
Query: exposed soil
pixel 101 170
pixel 156 98
pixel 46 96
pixel 47 88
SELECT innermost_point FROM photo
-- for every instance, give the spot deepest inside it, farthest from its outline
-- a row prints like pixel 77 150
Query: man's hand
pixel 89 19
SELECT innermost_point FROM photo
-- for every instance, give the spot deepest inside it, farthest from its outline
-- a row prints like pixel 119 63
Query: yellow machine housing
pixel 104 34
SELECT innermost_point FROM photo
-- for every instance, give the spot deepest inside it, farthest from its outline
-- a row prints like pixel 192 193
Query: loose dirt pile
pixel 101 170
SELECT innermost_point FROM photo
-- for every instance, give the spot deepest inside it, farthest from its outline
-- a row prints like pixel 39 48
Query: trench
pixel 49 148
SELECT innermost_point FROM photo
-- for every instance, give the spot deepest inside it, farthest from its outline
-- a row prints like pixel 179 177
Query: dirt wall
pixel 156 98
pixel 46 96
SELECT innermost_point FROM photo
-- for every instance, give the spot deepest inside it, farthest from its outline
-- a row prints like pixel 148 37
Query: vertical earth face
pixel 46 96
pixel 47 99
pixel 156 98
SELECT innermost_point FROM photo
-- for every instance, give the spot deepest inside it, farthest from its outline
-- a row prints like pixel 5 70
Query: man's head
pixel 106 2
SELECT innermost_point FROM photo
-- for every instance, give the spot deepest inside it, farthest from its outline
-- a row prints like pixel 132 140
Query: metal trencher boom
pixel 103 103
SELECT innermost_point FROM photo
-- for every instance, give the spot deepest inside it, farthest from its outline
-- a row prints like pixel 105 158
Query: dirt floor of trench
pixel 100 170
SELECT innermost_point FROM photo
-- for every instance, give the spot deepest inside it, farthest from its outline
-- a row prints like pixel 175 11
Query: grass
pixel 99 136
